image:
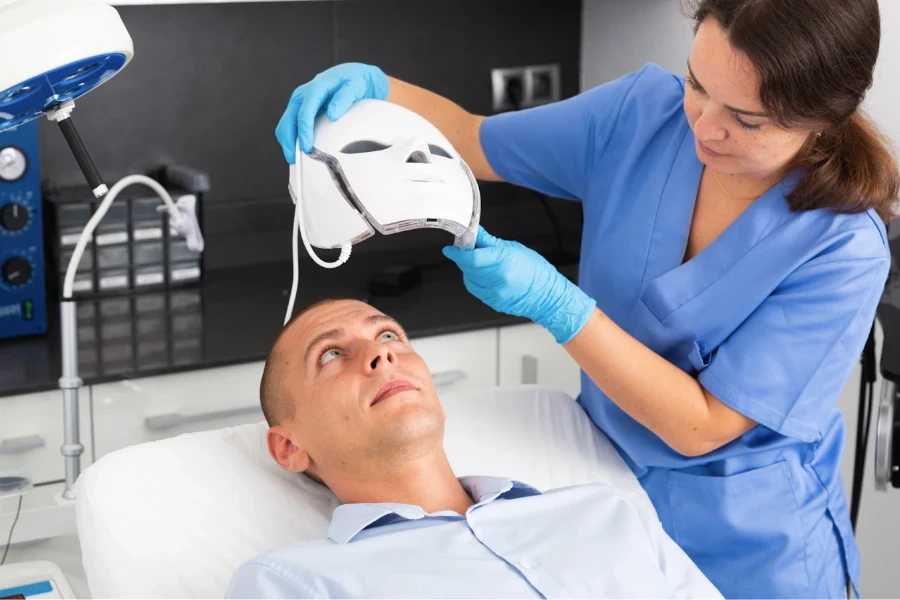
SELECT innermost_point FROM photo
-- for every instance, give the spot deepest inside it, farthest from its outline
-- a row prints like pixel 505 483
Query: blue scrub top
pixel 771 318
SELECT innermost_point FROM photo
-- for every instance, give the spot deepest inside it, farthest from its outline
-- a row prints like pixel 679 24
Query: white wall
pixel 882 102
pixel 620 36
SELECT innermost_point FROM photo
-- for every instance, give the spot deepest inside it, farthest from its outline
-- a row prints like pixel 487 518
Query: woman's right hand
pixel 338 87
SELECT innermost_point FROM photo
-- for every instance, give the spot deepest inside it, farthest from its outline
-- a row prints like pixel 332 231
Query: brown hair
pixel 816 60
pixel 274 397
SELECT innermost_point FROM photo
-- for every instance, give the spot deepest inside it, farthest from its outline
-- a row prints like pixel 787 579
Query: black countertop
pixel 233 317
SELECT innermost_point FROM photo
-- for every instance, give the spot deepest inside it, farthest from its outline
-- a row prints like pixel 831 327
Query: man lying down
pixel 352 405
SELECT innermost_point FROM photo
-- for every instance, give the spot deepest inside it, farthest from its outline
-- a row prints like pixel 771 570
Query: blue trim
pixel 29 99
pixel 32 589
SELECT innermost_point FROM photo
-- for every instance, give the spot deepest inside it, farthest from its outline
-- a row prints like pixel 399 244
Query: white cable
pixel 101 212
pixel 345 249
pixel 294 260
pixel 298 223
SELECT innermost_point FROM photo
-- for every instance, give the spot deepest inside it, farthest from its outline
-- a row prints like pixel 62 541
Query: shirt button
pixel 526 564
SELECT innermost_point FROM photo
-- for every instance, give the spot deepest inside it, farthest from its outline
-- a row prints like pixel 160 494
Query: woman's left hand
pixel 516 280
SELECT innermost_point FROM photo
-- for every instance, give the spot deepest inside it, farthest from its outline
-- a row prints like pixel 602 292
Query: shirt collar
pixel 349 519
pixel 484 489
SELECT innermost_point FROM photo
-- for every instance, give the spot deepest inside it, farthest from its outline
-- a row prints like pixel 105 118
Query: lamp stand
pixel 70 383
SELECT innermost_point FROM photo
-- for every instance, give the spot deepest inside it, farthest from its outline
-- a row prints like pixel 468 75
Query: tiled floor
pixel 64 551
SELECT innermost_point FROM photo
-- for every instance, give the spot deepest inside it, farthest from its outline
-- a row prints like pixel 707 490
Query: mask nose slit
pixel 418 157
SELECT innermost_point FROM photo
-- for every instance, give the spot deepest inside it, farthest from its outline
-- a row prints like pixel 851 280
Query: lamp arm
pixel 70 382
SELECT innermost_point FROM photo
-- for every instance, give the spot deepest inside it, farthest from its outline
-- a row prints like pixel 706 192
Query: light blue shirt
pixel 514 542
pixel 771 318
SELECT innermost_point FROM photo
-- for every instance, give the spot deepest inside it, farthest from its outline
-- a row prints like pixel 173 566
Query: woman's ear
pixel 285 452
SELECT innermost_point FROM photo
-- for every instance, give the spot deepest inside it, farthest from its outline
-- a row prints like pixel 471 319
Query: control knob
pixel 16 271
pixel 13 164
pixel 14 217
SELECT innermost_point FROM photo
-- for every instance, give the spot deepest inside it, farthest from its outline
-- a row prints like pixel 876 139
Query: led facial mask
pixel 382 168
pixel 379 168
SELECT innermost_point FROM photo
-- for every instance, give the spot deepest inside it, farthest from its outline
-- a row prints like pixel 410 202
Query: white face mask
pixel 382 168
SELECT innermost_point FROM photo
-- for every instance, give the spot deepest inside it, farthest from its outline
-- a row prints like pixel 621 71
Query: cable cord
pixel 551 216
pixel 11 529
pixel 862 432
pixel 300 225
pixel 864 419
pixel 111 195
pixel 294 260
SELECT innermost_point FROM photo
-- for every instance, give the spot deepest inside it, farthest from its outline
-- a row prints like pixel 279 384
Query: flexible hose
pixel 101 212
pixel 294 260
pixel 298 224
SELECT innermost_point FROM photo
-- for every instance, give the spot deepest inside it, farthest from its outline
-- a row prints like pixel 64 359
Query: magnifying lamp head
pixel 59 50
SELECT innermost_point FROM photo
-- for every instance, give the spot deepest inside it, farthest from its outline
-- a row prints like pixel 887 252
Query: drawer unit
pixel 530 355
pixel 153 408
pixel 32 432
pixel 460 361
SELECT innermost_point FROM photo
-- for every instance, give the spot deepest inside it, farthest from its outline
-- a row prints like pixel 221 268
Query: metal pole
pixel 69 383
pixel 884 430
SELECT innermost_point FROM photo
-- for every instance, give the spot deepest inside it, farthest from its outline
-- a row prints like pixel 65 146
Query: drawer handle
pixel 529 369
pixel 170 420
pixel 445 378
pixel 21 445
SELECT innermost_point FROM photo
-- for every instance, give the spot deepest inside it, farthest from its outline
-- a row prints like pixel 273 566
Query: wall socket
pixel 523 87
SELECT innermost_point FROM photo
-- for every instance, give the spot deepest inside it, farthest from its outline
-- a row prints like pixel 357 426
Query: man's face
pixel 363 398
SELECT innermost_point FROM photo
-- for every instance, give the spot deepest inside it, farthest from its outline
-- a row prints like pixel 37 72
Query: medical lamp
pixel 53 52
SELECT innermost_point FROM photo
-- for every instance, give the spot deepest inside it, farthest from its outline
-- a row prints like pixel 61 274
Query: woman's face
pixel 733 135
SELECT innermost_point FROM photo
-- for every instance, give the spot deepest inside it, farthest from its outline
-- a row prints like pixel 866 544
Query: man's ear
pixel 284 451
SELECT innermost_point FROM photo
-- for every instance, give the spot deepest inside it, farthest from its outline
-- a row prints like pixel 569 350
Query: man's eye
pixel 389 336
pixel 328 355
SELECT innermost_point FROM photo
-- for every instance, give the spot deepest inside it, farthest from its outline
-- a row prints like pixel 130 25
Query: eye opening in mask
pixel 362 146
pixel 465 235
pixel 337 175
pixel 438 151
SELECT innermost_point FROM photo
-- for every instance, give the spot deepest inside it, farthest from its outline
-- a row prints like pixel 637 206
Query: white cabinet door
pixel 152 408
pixel 460 361
pixel 32 432
pixel 529 354
pixel 41 516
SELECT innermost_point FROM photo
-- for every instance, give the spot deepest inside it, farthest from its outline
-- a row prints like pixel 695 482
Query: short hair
pixel 274 396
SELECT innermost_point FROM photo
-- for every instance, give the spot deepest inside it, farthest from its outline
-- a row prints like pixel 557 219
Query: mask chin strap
pixel 299 225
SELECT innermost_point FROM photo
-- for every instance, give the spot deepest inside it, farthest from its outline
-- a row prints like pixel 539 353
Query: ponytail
pixel 850 169
pixel 817 75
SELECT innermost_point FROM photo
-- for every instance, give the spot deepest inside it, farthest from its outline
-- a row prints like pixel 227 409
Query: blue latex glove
pixel 339 87
pixel 516 280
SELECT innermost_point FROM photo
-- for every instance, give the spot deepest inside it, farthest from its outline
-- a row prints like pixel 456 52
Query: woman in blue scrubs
pixel 734 251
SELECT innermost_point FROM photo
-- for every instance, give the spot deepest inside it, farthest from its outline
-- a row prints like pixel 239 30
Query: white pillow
pixel 175 518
